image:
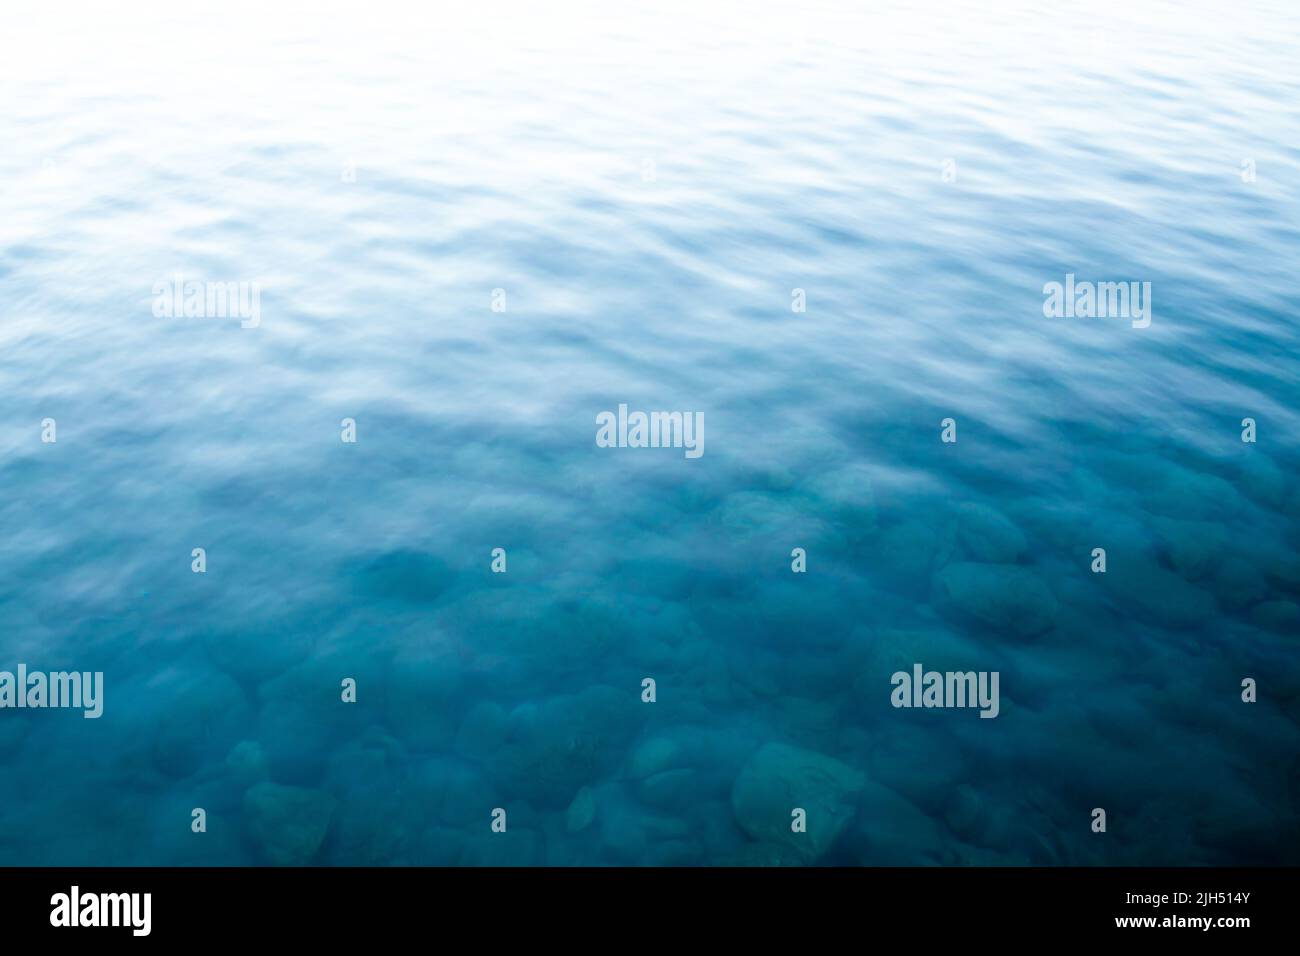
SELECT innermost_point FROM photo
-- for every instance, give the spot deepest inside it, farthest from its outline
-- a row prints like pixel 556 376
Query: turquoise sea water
pixel 647 188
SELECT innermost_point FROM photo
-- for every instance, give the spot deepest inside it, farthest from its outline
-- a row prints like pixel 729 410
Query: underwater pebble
pixel 849 495
pixel 780 778
pixel 581 811
pixel 483 731
pixel 1177 492
pixel 404 576
pixel 287 824
pixel 1237 583
pixel 654 756
pixel 247 762
pixel 1194 548
pixel 1263 480
pixel 570 741
pixel 1159 595
pixel 1280 616
pixel 669 790
pixel 914 548
pixel 987 535
pixel 1005 597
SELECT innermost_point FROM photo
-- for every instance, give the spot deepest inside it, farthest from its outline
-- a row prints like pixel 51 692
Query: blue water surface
pixel 473 232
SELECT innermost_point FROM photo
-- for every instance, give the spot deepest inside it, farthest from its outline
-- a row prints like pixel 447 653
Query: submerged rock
pixel 567 742
pixel 204 714
pixel 483 731
pixel 302 721
pixel 654 756
pixel 1263 480
pixel 1159 595
pixel 780 778
pixel 913 548
pixel 1237 583
pixel 754 521
pixel 813 609
pixel 1178 492
pixel 264 649
pixel 848 494
pixel 893 649
pixel 628 833
pixel 412 577
pixel 1280 561
pixel 1280 616
pixel 669 791
pixel 452 792
pixel 987 535
pixel 892 831
pixel 1194 548
pixel 287 824
pixel 247 762
pixel 1239 822
pixel 581 811
pixel 420 681
pixel 919 764
pixel 1005 597
pixel 372 821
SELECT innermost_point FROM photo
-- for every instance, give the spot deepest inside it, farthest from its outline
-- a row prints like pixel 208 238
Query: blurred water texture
pixel 648 187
